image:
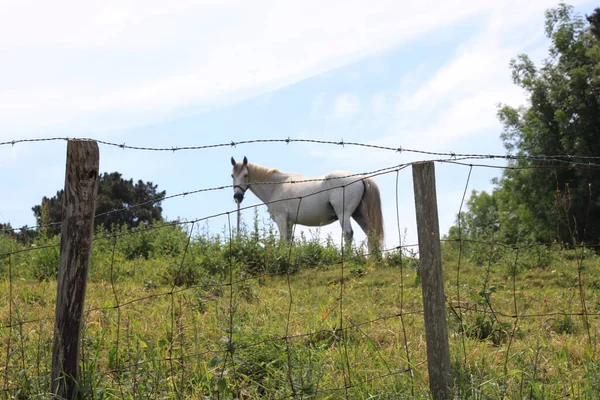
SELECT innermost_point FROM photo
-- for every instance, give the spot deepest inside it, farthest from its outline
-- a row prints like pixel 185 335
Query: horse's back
pixel 341 178
pixel 323 186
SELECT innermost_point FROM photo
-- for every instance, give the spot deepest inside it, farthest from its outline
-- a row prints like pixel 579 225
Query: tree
pixel 562 120
pixel 482 218
pixel 132 204
pixel 594 21
pixel 22 234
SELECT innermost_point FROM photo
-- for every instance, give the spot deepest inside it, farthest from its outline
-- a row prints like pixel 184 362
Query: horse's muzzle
pixel 238 197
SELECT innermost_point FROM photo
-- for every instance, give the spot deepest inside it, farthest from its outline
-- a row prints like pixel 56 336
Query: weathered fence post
pixel 79 201
pixel 430 257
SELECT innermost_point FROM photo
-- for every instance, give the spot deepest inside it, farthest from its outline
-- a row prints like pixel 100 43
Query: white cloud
pixel 459 100
pixel 479 74
pixel 346 105
pixel 317 105
pixel 480 66
pixel 379 103
pixel 468 116
pixel 71 66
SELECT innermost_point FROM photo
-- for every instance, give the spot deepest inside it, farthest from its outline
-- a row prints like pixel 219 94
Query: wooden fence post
pixel 434 301
pixel 77 230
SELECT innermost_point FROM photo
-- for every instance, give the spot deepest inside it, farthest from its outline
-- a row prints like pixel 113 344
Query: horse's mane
pixel 258 173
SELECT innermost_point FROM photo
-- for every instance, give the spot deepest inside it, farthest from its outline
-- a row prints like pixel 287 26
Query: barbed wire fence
pixel 122 365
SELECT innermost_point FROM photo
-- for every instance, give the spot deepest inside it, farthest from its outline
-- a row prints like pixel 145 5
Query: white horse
pixel 295 199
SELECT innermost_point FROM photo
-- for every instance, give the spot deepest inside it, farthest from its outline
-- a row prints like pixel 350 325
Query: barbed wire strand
pixel 342 143
pixel 378 172
pixel 222 187
pixel 454 160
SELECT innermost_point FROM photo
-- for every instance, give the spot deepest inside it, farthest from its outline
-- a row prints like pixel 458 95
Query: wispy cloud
pixel 379 103
pixel 346 105
pixel 71 66
pixel 317 105
pixel 458 100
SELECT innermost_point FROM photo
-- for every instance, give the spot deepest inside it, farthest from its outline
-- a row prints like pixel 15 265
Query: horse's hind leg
pixel 360 219
pixel 344 218
pixel 347 230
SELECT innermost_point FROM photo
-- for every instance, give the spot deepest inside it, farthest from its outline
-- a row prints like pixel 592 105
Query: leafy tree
pixel 136 203
pixel 6 229
pixel 562 120
pixel 482 218
pixel 22 235
pixel 594 21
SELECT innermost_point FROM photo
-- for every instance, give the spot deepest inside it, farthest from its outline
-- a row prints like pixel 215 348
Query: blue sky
pixel 425 76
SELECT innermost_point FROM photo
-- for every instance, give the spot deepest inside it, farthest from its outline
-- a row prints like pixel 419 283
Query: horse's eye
pixel 232 175
pixel 245 175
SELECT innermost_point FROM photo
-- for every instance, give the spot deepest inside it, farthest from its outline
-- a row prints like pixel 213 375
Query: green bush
pixel 166 253
pixel 7 245
pixel 46 259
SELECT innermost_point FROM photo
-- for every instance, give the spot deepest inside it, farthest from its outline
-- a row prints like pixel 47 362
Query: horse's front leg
pixel 283 225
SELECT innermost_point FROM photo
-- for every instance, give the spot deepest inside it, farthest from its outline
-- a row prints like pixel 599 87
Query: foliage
pixel 594 21
pixel 23 235
pixel 562 121
pixel 45 261
pixel 481 220
pixel 189 257
pixel 114 193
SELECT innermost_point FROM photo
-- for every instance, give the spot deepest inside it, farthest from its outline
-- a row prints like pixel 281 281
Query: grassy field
pixel 167 318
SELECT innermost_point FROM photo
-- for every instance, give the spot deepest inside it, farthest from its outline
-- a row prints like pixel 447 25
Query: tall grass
pixel 177 314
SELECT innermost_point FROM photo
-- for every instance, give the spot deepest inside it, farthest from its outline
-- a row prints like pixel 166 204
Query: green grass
pixel 252 319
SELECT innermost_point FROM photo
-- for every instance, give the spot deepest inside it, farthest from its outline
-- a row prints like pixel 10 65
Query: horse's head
pixel 240 179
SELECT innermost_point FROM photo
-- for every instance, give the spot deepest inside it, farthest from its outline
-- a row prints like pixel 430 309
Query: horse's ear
pixel 245 161
pixel 232 161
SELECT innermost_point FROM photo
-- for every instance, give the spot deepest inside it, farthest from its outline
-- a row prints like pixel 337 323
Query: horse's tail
pixel 372 210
